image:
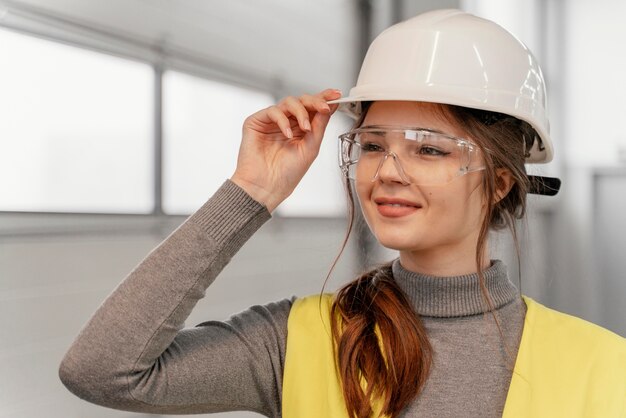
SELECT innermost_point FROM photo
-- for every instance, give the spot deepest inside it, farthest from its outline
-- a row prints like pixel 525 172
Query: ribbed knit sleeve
pixel 133 354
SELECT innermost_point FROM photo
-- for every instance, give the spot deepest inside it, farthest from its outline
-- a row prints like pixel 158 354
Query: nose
pixel 392 171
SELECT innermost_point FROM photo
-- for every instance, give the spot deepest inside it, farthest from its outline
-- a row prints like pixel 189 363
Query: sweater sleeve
pixel 134 354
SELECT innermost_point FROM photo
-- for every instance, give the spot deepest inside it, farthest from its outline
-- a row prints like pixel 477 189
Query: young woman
pixel 448 109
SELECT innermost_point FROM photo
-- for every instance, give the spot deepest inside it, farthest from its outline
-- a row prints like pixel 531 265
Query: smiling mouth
pixel 396 203
pixel 393 209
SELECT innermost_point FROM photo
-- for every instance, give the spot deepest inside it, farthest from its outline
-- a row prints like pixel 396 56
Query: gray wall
pixel 609 225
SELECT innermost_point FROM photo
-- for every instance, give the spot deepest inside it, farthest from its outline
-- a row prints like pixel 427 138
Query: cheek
pixel 473 210
pixel 368 208
pixel 363 191
pixel 459 209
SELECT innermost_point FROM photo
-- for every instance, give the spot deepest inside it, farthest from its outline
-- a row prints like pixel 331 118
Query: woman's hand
pixel 279 144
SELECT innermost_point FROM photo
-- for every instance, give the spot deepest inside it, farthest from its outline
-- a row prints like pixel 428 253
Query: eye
pixel 371 147
pixel 432 151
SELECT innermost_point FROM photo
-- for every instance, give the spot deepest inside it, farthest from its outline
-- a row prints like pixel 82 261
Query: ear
pixel 504 183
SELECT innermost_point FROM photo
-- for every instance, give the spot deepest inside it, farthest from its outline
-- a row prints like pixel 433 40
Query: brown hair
pixel 396 366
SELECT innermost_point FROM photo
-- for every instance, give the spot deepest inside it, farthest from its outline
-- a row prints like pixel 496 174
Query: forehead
pixel 414 114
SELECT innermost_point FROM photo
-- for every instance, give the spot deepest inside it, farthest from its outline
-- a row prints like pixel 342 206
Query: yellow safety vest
pixel 566 367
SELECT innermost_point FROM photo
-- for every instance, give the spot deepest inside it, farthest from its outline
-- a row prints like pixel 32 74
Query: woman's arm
pixel 133 353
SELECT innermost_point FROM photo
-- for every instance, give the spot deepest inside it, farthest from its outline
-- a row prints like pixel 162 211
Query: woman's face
pixel 440 218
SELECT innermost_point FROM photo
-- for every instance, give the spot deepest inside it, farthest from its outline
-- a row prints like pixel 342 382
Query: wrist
pixel 256 192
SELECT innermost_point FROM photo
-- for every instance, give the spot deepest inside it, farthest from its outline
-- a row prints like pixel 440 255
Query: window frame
pixel 160 58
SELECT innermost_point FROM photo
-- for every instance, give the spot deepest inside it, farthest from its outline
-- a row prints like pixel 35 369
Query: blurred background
pixel 119 118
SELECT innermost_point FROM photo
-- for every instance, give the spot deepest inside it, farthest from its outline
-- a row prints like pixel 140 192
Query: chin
pixel 403 243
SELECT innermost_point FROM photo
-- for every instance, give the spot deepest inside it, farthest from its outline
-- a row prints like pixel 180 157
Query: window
pixel 78 135
pixel 321 192
pixel 202 134
pixel 77 130
pixel 202 122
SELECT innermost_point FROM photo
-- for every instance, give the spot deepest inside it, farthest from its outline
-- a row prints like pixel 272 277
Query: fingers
pixel 331 94
pixel 296 108
pixel 280 119
pixel 311 112
pixel 317 102
pixel 321 119
pixel 303 107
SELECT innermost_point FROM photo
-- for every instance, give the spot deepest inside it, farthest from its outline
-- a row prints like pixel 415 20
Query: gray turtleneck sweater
pixel 134 353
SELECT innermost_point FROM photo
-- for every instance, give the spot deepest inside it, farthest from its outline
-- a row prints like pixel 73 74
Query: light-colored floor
pixel 50 285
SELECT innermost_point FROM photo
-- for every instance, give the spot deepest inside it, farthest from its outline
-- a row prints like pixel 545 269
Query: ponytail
pixel 396 374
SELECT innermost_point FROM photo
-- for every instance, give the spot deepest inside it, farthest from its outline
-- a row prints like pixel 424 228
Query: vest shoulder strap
pixel 311 386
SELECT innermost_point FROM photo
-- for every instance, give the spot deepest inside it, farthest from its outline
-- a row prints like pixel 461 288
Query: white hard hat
pixel 453 57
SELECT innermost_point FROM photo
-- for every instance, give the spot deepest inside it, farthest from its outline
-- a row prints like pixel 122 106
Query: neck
pixel 455 295
pixel 444 261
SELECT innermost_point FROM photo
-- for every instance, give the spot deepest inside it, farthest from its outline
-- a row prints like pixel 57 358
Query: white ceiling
pixel 305 45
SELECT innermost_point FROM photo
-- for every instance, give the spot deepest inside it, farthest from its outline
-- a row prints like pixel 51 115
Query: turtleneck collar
pixel 455 296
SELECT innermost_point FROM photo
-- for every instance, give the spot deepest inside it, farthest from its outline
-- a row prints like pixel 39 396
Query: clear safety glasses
pixel 421 156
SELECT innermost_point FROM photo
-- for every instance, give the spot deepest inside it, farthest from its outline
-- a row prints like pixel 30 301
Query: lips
pixel 395 202
pixel 393 208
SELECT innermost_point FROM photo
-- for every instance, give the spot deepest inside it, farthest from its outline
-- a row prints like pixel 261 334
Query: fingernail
pixel 289 133
pixel 307 125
